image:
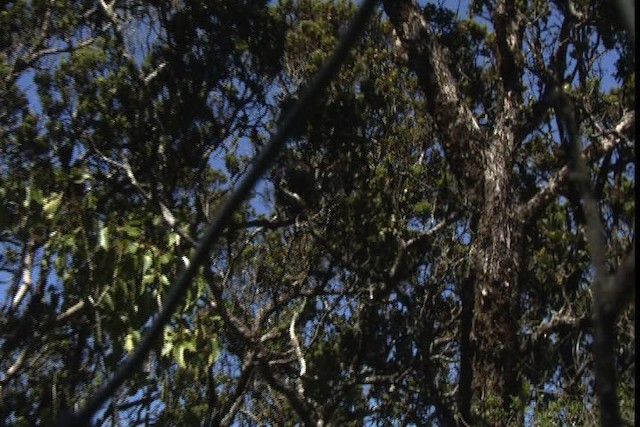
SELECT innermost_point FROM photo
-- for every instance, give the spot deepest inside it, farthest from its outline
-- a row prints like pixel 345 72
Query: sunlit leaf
pixel 51 205
pixel 178 355
pixel 164 280
pixel 132 231
pixel 130 340
pixel 103 237
pixel 147 260
pixel 174 239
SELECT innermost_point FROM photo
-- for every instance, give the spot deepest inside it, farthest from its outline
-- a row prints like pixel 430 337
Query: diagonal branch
pixel 429 60
pixel 26 267
pixel 296 401
pixel 230 411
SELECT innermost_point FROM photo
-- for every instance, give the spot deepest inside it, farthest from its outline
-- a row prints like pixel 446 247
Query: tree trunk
pixel 483 163
pixel 496 264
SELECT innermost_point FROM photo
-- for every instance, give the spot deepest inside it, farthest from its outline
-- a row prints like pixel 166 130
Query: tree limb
pixel 429 60
pixel 604 336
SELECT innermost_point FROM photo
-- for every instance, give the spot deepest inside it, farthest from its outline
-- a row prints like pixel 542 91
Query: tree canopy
pixel 447 239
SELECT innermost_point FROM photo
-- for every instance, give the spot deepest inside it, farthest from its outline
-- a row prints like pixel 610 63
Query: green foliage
pixel 330 295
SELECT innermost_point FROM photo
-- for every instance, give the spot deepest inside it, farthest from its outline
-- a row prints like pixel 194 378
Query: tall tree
pixel 417 254
pixel 484 150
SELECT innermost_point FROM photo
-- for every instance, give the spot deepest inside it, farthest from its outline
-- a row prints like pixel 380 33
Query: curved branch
pixel 247 370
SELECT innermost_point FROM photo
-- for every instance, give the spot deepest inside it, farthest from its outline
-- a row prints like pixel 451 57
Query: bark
pixel 497 251
pixel 499 246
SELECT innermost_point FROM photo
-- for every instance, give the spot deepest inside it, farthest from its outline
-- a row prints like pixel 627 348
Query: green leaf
pixel 164 280
pixel 132 247
pixel 422 207
pixel 190 345
pixel 147 260
pixel 132 231
pixel 215 351
pixel 79 175
pixel 178 354
pixel 108 301
pixel 27 198
pixel 51 205
pixel 167 345
pixel 165 258
pixel 36 195
pixel 130 340
pixel 174 239
pixel 232 163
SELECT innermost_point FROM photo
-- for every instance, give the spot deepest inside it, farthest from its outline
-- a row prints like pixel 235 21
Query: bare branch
pixel 15 367
pixel 296 346
pixel 153 74
pixel 27 267
pixel 70 311
pixel 557 182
